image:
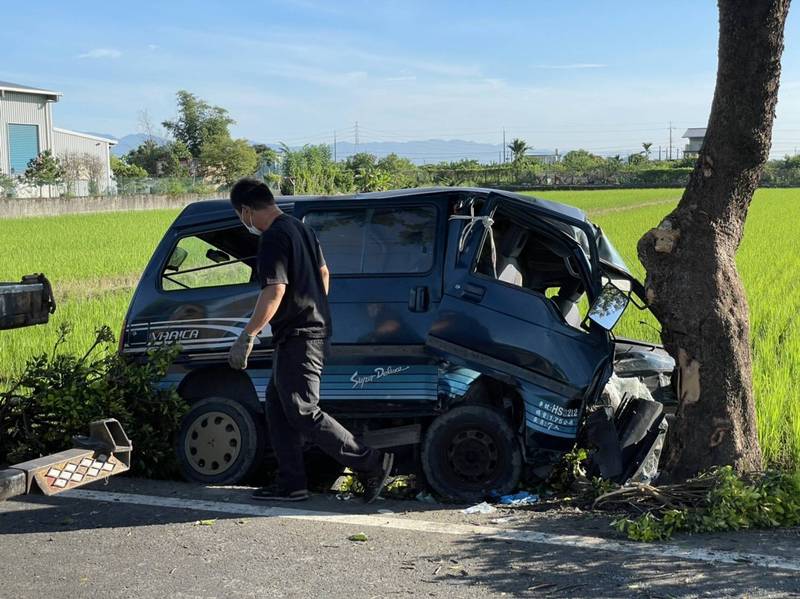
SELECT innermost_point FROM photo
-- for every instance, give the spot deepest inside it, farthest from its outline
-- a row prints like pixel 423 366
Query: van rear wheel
pixel 219 442
pixel 470 451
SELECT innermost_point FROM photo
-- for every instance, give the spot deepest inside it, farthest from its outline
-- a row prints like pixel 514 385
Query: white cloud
pixel 575 65
pixel 98 53
pixel 400 78
pixel 152 47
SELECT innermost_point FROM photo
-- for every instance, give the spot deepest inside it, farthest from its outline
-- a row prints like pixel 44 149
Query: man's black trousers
pixel 293 414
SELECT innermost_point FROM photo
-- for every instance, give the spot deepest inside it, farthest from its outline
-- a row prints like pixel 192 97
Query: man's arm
pixel 326 278
pixel 268 302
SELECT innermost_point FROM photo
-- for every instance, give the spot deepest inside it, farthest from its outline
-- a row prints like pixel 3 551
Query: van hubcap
pixel 212 443
pixel 473 456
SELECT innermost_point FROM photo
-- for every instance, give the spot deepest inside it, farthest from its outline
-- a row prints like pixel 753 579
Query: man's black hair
pixel 251 192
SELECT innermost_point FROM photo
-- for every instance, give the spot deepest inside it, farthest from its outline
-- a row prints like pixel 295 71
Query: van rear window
pixel 376 240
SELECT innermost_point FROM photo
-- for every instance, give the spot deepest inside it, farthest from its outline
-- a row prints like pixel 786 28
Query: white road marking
pixel 447 528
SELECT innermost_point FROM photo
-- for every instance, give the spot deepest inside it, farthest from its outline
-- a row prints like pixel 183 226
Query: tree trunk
pixel 693 287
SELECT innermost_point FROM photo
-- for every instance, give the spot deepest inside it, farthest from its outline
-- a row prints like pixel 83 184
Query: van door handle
pixel 418 299
pixel 472 292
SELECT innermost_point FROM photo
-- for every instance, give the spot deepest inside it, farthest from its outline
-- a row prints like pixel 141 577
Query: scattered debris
pixel 401 487
pixel 359 537
pixel 519 499
pixel 458 571
pixel 344 496
pixel 480 508
pixel 425 497
pixel 505 520
pixel 205 522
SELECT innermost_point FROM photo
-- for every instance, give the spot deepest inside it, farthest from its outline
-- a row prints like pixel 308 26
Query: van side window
pixel 211 259
pixel 376 240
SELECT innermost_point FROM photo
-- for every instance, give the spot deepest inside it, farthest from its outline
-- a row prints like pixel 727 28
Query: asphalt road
pixel 135 538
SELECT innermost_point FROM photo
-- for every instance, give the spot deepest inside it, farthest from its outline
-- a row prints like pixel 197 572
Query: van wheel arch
pixel 505 398
pixel 220 381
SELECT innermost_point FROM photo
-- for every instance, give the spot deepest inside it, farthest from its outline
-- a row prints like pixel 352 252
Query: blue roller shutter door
pixel 23 146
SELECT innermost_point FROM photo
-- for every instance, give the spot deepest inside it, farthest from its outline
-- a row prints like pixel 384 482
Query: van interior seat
pixel 511 246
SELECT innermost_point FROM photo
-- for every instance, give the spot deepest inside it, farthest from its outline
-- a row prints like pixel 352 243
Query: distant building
pixel 544 157
pixel 26 130
pixel 695 136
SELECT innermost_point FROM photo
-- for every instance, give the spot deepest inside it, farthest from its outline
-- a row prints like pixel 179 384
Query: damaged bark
pixel 692 284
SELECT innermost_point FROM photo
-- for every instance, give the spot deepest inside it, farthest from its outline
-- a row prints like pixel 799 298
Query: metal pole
pixel 670 140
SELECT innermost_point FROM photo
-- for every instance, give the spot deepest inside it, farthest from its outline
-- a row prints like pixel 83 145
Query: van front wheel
pixel 470 451
pixel 219 442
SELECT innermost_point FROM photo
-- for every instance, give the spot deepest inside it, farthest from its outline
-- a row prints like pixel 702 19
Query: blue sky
pixel 601 75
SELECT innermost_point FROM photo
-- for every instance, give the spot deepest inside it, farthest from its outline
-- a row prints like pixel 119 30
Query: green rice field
pixel 94 262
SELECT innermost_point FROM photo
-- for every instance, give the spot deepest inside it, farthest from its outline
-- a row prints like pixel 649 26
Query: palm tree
pixel 518 148
pixel 646 145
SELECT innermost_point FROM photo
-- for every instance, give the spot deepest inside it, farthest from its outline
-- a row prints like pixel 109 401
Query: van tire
pixel 471 451
pixel 220 441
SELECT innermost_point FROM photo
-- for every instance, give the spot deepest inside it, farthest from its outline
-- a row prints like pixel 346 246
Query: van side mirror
pixel 609 306
pixel 217 256
pixel 177 258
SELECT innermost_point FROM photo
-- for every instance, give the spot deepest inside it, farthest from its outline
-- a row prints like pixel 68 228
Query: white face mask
pixel 251 228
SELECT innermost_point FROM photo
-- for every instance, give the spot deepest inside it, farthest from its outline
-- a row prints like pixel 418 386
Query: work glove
pixel 240 350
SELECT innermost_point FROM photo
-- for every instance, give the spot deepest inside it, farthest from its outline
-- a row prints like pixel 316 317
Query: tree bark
pixel 693 287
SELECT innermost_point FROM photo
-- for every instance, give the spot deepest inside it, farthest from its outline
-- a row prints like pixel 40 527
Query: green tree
pixel 266 155
pixel 518 148
pixel 637 159
pixel 402 172
pixel 161 160
pixel 123 170
pixel 43 170
pixel 197 122
pixel 311 170
pixel 7 186
pixel 225 159
pixel 581 162
pixel 367 173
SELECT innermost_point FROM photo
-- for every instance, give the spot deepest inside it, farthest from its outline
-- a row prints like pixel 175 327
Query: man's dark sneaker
pixel 278 493
pixel 375 482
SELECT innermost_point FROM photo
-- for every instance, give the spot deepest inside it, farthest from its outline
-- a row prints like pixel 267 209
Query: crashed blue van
pixel 471 332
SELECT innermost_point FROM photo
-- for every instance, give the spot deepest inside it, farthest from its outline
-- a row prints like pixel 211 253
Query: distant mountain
pixel 425 151
pixel 132 141
pixel 428 151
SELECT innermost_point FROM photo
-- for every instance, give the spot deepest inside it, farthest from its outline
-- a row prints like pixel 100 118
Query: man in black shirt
pixel 294 301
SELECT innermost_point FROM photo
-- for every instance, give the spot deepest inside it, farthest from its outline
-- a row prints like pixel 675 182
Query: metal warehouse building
pixel 26 130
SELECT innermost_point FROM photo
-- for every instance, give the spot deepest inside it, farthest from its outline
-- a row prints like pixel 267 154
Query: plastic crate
pixel 26 303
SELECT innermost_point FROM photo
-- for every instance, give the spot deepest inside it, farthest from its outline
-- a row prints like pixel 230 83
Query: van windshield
pixel 608 253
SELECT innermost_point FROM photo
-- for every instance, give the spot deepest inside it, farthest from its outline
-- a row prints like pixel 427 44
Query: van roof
pixel 213 210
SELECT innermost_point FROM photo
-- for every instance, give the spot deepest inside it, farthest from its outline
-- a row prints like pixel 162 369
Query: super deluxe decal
pixel 359 380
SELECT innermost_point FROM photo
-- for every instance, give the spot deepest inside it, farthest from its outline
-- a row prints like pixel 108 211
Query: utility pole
pixel 356 148
pixel 659 153
pixel 334 145
pixel 670 141
pixel 504 145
